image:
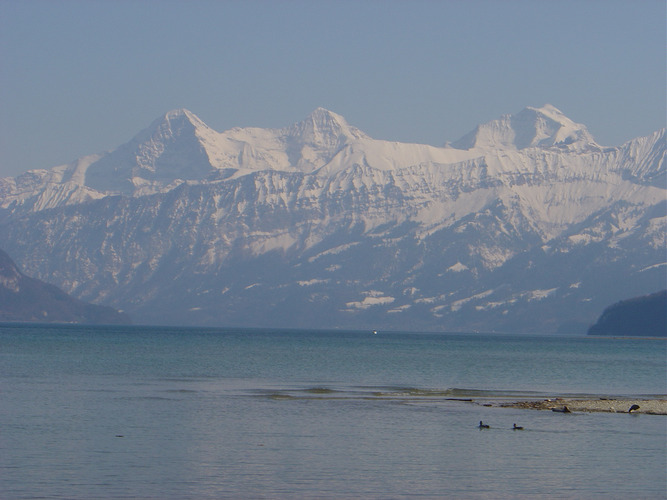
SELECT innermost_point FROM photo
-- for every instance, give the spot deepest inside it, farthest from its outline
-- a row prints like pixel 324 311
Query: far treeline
pixel 644 316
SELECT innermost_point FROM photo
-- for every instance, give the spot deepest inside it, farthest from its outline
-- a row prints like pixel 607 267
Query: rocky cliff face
pixel 527 225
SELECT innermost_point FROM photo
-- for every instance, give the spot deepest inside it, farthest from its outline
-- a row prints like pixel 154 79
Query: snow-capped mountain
pixel 525 224
pixel 532 127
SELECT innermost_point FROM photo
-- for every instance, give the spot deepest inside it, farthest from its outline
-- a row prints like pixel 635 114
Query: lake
pixel 156 412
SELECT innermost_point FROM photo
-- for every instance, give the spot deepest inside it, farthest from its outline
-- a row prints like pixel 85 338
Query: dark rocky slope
pixel 641 316
pixel 26 299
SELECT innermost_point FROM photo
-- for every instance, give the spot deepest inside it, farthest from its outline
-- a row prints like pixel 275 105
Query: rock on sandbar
pixel 648 406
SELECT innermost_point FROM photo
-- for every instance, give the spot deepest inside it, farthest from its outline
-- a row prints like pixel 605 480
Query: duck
pixel 517 428
pixel 633 408
pixel 482 425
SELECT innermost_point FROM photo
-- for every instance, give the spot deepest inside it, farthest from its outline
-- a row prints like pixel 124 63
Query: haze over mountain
pixel 524 224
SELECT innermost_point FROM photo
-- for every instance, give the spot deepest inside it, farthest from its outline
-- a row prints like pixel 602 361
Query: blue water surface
pixel 152 412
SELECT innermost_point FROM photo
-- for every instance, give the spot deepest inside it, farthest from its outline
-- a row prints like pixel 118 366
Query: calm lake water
pixel 171 413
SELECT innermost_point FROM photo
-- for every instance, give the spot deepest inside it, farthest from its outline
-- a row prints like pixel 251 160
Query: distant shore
pixel 617 405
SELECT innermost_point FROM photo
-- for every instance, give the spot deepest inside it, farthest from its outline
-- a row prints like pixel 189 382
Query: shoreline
pixel 603 405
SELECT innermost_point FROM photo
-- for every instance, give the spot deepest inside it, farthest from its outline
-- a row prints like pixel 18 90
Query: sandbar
pixel 609 405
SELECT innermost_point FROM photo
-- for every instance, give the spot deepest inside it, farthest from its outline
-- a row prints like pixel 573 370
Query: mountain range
pixel 525 224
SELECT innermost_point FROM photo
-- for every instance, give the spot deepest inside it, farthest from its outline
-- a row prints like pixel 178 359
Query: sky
pixel 79 77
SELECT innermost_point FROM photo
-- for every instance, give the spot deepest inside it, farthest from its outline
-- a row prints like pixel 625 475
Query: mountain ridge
pixel 319 222
pixel 210 155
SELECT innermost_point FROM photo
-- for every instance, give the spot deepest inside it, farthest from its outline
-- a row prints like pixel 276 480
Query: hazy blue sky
pixel 81 77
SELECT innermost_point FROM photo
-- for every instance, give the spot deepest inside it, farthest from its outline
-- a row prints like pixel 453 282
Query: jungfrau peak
pixel 525 224
pixel 533 127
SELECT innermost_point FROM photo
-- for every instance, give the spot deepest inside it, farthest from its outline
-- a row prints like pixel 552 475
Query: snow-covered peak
pixel 169 149
pixel 172 124
pixel 324 128
pixel 181 113
pixel 313 142
pixel 532 127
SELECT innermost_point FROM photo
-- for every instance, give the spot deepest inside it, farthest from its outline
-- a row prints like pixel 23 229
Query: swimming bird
pixel 633 408
pixel 517 428
pixel 482 425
